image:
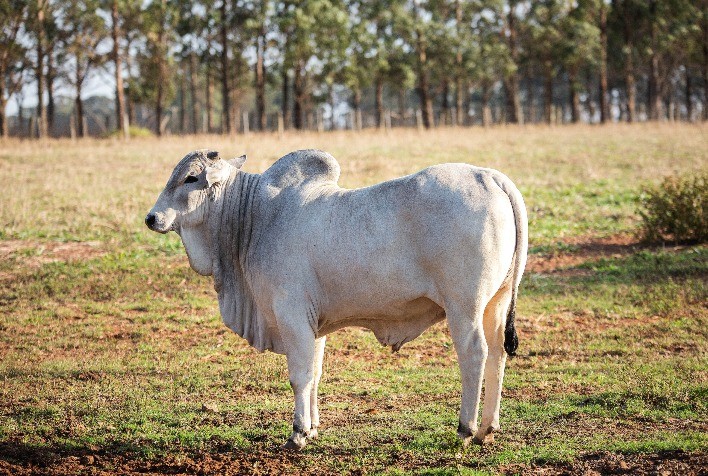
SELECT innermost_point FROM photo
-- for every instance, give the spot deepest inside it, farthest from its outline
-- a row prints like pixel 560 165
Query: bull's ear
pixel 238 161
pixel 218 172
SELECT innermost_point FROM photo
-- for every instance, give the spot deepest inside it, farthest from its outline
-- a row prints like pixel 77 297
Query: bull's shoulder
pixel 302 166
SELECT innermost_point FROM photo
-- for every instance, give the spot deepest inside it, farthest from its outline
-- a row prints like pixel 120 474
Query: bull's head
pixel 195 181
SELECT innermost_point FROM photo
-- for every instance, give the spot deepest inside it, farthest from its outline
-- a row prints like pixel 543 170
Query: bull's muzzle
pixel 150 220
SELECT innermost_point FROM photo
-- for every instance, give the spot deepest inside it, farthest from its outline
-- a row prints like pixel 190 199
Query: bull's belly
pixel 393 324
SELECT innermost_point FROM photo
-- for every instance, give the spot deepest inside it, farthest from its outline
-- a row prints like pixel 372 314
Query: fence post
pixel 245 122
pixel 419 119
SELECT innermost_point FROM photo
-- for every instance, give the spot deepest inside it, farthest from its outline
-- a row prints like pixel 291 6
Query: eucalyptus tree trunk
pixel 193 92
pixel 261 122
pixel 548 93
pixel 357 125
pixel 51 106
pixel 445 103
pixel 379 102
pixel 604 107
pixel 574 88
pixel 423 89
pixel 654 80
pixel 402 106
pixel 41 108
pixel 629 80
pixel 426 103
pixel 460 90
pixel 511 82
pixel 78 103
pixel 486 111
pixel 225 90
pixel 115 53
pixel 208 102
pixel 704 27
pixel 299 92
pixel 285 106
pixel 459 99
pixel 182 103
pixel 159 100
pixel 4 129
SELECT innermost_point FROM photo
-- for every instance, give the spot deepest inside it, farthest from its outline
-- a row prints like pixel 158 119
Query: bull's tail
pixel 511 341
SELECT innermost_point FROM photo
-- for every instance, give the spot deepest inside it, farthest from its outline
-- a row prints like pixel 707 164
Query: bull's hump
pixel 303 166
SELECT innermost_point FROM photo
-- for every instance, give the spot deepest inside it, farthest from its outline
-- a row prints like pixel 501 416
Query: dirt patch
pixel 582 250
pixel 20 460
pixel 36 253
pixel 23 461
pixel 664 463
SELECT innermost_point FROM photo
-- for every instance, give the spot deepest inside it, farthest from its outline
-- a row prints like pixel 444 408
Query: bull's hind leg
pixel 494 321
pixel 317 369
pixel 471 347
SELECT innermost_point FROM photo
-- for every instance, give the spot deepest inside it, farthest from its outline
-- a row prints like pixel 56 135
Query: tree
pixel 418 29
pixel 546 43
pixel 511 80
pixel 490 58
pixel 38 25
pixel 84 30
pixel 580 45
pixel 258 26
pixel 627 16
pixel 160 19
pixel 313 29
pixel 13 65
pixel 602 18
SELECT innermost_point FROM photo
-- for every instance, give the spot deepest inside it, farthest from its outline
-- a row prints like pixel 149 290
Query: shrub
pixel 676 210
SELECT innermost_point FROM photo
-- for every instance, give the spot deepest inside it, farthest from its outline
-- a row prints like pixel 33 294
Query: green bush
pixel 676 210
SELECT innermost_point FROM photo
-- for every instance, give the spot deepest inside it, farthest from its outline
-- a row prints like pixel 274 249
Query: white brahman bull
pixel 295 257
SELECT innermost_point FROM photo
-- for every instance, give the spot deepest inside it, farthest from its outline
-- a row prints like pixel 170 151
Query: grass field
pixel 113 359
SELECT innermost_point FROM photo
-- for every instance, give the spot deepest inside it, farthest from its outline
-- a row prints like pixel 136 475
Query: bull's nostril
pixel 150 220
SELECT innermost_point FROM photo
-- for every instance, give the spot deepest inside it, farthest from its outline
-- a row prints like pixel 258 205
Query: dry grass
pixel 92 188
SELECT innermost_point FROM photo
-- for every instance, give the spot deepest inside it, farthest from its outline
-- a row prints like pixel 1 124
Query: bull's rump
pixel 399 250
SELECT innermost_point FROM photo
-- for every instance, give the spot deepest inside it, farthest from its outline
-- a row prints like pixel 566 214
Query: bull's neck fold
pixel 231 230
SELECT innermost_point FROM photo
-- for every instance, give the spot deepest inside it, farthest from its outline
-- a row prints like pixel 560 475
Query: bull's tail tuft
pixel 511 341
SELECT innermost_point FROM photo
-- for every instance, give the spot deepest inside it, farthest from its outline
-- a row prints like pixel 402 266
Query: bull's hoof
pixel 464 434
pixel 313 433
pixel 295 443
pixel 484 436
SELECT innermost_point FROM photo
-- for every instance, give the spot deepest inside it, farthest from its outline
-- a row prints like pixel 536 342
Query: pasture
pixel 113 358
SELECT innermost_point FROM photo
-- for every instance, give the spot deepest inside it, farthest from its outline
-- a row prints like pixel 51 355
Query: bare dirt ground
pixel 666 463
pixel 21 461
pixel 584 250
pixel 35 253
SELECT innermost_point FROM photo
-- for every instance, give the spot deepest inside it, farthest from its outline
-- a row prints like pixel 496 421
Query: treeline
pixel 195 66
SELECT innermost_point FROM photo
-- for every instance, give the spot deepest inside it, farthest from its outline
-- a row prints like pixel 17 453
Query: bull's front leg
pixel 299 342
pixel 314 410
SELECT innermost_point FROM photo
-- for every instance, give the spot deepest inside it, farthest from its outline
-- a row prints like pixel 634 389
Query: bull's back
pixel 396 241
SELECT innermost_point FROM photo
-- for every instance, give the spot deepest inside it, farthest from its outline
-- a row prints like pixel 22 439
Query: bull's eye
pixel 190 179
